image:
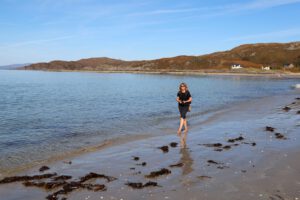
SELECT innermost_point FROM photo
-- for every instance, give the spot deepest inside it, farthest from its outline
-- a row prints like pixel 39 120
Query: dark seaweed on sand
pixel 177 165
pixel 142 164
pixel 140 185
pixel 212 145
pixel 204 177
pixel 165 149
pixel 160 172
pixel 269 128
pixel 136 158
pixel 280 136
pixel 252 143
pixel 44 168
pixel 286 108
pixel 61 178
pixel 173 144
pixel 213 162
pixel 235 139
pixel 222 167
pixel 218 149
pixel 227 147
pixel 45 185
pixel 68 187
pixel 93 175
pixel 60 182
pixel 26 178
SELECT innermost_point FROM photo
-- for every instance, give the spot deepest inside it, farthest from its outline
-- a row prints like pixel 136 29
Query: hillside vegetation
pixel 250 56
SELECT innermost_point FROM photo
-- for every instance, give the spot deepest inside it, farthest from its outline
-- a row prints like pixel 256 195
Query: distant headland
pixel 248 58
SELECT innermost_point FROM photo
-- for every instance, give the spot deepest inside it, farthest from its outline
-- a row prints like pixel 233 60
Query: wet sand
pixel 230 156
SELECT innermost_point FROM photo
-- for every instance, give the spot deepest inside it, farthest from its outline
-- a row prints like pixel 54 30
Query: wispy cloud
pixel 166 11
pixel 270 35
pixel 256 5
pixel 39 41
pixel 262 4
pixel 221 9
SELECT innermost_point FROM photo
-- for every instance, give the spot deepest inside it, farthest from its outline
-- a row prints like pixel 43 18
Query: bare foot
pixel 179 132
pixel 186 130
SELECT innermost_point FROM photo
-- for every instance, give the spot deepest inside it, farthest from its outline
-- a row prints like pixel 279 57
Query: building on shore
pixel 236 66
pixel 266 68
pixel 288 66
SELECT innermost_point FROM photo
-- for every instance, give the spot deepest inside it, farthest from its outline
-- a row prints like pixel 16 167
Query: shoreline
pixel 64 156
pixel 244 166
pixel 106 144
pixel 273 74
pixel 209 117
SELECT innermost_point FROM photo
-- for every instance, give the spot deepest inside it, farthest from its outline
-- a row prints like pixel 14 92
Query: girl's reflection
pixel 185 156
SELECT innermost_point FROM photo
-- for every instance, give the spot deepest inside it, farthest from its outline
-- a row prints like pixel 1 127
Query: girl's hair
pixel 185 85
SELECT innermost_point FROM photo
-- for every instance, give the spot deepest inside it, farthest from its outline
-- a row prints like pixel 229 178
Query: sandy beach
pixel 245 151
pixel 150 100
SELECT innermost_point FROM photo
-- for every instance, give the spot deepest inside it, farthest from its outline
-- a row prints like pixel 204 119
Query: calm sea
pixel 43 114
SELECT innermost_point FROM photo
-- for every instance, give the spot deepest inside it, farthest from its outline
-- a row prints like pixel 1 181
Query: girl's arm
pixel 188 101
pixel 178 100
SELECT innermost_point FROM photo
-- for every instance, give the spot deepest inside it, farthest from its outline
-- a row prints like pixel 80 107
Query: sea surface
pixel 46 114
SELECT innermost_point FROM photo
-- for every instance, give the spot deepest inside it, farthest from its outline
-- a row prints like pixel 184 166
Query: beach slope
pixel 245 151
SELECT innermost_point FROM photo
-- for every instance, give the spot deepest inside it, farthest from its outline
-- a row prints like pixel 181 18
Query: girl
pixel 184 100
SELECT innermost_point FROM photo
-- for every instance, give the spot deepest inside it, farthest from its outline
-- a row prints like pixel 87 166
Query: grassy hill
pixel 250 56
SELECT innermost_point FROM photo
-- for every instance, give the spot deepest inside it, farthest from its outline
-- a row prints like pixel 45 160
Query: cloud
pixel 166 11
pixel 222 9
pixel 256 5
pixel 268 35
pixel 262 4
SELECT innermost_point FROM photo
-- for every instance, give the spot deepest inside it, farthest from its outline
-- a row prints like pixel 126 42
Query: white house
pixel 236 66
pixel 288 66
pixel 265 67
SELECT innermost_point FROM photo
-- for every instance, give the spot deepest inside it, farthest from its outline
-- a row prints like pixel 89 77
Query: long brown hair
pixel 185 85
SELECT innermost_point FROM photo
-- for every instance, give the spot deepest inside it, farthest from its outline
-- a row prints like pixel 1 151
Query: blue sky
pixel 45 30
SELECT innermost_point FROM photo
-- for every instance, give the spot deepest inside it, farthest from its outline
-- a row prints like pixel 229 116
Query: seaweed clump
pixel 140 185
pixel 160 172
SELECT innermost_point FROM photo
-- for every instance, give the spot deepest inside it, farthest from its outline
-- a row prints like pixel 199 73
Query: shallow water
pixel 47 113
